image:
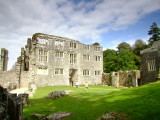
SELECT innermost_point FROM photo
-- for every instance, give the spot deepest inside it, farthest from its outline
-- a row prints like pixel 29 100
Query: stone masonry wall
pixel 149 75
pixel 9 80
pixel 31 54
pixel 106 79
pixel 122 78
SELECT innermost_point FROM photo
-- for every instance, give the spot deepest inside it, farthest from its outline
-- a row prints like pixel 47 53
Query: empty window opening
pixel 97 48
pixel 97 58
pixel 59 43
pixel 43 41
pixel 151 65
pixel 86 57
pixel 73 45
pixel 97 72
pixel 86 72
pixel 58 71
pixel 42 71
pixel 86 47
pixel 73 58
pixel 59 54
pixel 42 55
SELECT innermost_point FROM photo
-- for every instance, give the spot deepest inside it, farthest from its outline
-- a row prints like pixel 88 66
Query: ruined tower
pixel 3 59
pixel 150 67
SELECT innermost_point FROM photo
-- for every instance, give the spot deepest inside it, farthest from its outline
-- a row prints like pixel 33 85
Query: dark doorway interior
pixel 72 76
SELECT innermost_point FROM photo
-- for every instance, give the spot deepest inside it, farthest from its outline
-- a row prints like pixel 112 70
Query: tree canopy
pixel 109 60
pixel 154 32
pixel 122 60
pixel 138 46
pixel 125 60
pixel 124 46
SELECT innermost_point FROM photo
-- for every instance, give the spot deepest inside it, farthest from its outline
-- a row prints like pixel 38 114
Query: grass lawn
pixel 141 103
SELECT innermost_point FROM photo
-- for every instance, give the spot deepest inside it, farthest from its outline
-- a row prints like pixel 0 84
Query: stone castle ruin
pixel 49 60
pixel 150 67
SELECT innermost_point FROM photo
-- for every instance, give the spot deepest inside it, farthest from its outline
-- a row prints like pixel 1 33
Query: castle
pixel 49 60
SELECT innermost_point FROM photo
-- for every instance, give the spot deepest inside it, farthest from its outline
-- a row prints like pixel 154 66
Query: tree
pixel 124 46
pixel 138 46
pixel 155 33
pixel 125 60
pixel 109 60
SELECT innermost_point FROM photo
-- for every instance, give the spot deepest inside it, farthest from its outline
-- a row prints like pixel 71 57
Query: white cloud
pixel 81 21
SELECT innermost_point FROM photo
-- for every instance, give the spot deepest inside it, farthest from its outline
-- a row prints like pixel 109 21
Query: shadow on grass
pixel 140 103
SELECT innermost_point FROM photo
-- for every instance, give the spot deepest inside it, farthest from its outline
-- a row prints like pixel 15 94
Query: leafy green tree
pixel 124 46
pixel 138 46
pixel 137 60
pixel 109 60
pixel 155 33
pixel 125 60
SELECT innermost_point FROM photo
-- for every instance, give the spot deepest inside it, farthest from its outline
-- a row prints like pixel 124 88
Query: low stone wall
pixel 11 106
pixel 122 78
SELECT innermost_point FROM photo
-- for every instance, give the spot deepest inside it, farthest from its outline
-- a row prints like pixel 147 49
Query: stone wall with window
pixel 150 64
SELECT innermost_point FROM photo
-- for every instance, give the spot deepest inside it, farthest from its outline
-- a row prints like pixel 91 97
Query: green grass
pixel 141 103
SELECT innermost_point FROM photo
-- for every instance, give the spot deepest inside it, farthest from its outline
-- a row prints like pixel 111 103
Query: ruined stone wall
pixel 128 78
pixel 150 67
pixel 115 79
pixel 3 59
pixel 25 79
pixel 147 74
pixel 31 51
pixel 122 78
pixel 11 106
pixel 106 79
pixel 9 80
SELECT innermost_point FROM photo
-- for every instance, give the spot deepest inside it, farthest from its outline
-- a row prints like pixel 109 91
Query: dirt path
pixel 19 91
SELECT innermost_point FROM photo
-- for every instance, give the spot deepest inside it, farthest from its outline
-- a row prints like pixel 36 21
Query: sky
pixel 108 22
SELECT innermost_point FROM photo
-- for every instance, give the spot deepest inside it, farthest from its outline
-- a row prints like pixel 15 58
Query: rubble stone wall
pixel 106 79
pixel 122 78
pixel 25 79
pixel 9 80
pixel 150 75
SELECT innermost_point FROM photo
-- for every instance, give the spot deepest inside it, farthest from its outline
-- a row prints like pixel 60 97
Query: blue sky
pixel 108 22
pixel 138 30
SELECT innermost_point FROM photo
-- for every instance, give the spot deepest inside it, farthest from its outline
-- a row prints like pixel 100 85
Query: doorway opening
pixel 72 76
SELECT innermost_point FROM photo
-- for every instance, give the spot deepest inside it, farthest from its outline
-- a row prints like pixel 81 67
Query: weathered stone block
pixel 24 98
